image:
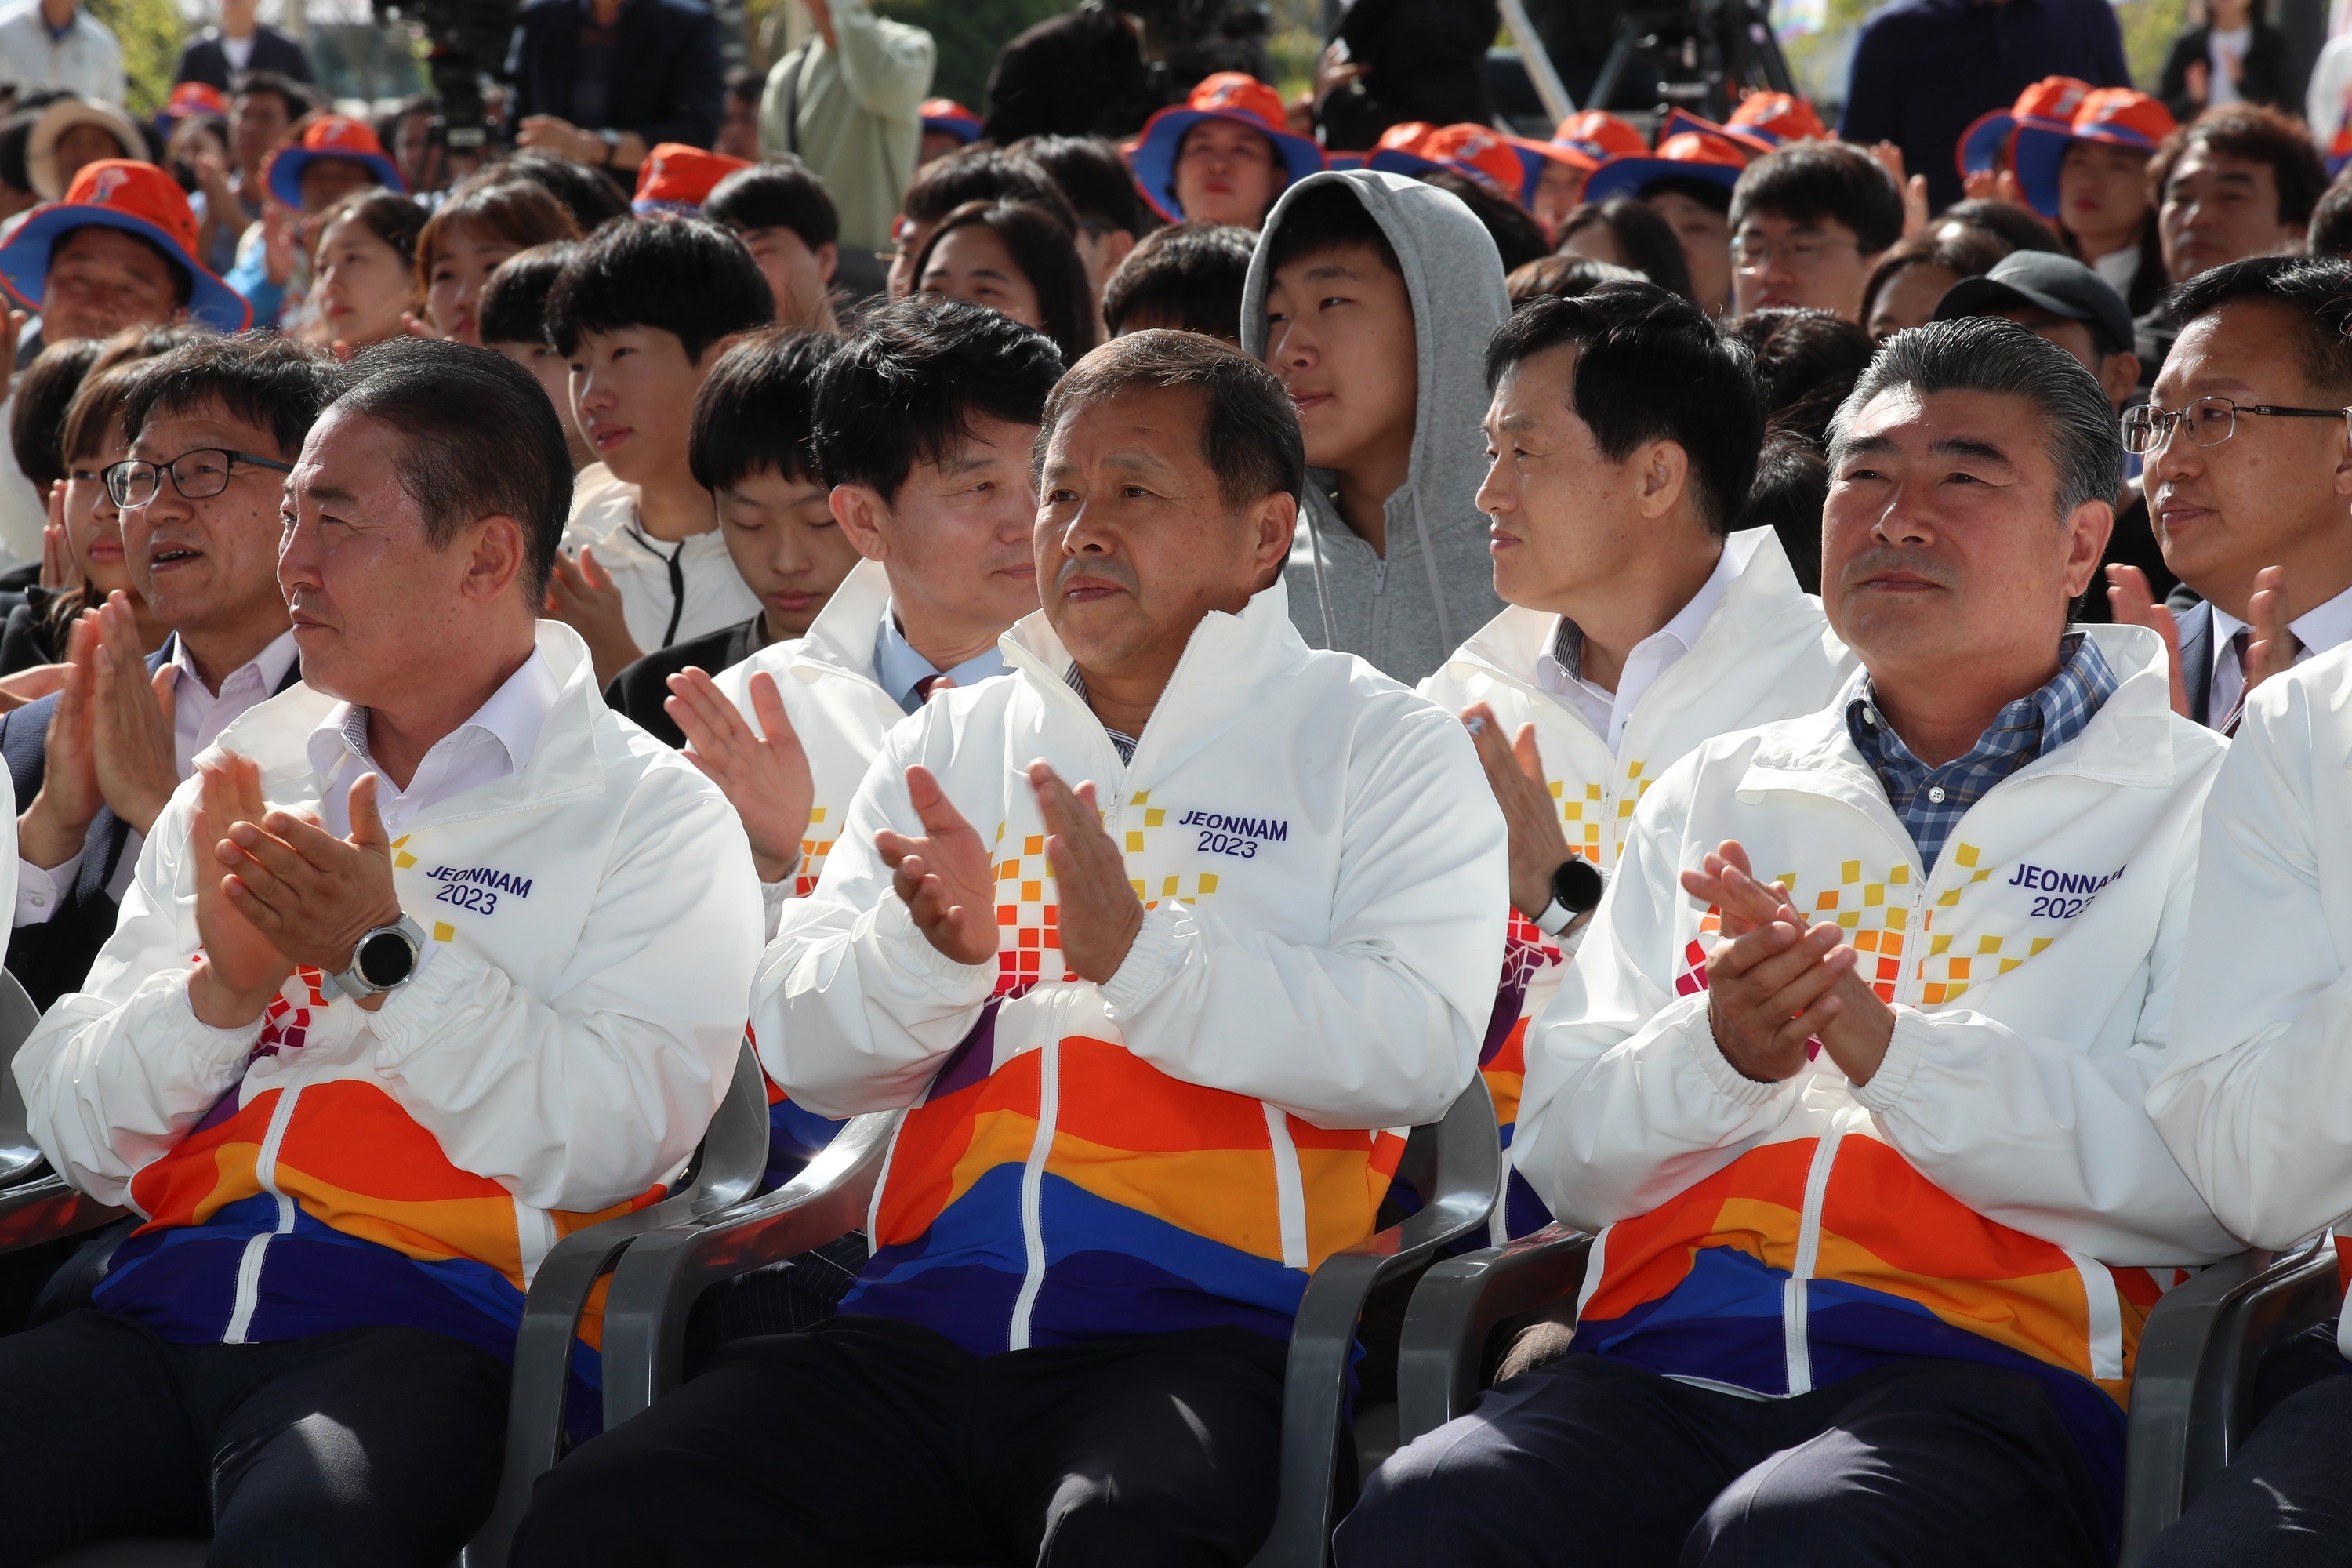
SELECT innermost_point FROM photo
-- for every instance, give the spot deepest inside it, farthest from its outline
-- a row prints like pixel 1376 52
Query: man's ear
pixel 1272 524
pixel 2118 373
pixel 496 549
pixel 2087 527
pixel 858 509
pixel 1661 477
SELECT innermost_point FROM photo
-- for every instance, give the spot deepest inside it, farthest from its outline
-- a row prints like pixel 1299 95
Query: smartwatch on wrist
pixel 1576 888
pixel 381 960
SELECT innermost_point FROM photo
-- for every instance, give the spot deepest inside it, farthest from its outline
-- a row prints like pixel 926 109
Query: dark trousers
pixel 1588 1461
pixel 2285 1501
pixel 369 1446
pixel 870 1441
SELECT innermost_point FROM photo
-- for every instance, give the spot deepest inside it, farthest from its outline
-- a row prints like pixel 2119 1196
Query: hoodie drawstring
pixel 1322 594
pixel 1445 642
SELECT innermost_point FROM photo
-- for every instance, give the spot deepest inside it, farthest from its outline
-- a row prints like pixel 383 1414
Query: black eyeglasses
pixel 2207 421
pixel 199 475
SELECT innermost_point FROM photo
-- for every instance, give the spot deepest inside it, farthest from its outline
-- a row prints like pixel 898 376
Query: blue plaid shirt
pixel 1931 801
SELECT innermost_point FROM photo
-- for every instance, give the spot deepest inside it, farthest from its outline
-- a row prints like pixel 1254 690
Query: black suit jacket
pixel 54 957
pixel 666 87
pixel 205 61
pixel 2270 77
pixel 639 691
pixel 2193 618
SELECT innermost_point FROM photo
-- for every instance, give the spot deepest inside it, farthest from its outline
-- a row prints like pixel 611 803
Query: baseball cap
pixel 1227 95
pixel 1777 117
pixel 1485 156
pixel 2053 97
pixel 138 198
pixel 676 178
pixel 329 136
pixel 1684 155
pixel 2045 280
pixel 2114 115
pixel 1600 136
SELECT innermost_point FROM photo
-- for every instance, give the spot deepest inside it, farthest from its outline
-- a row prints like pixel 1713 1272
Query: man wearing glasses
pixel 2249 479
pixel 1807 223
pixel 215 427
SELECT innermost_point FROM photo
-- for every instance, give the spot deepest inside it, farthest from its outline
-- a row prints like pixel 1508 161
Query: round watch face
pixel 1576 885
pixel 385 959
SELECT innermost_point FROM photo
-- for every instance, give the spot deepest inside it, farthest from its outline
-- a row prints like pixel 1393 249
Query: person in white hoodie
pixel 1880 1211
pixel 924 421
pixel 470 953
pixel 1146 1031
pixel 2253 1101
pixel 1623 439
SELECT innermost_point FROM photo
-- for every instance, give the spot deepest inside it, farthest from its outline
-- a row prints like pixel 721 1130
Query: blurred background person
pixel 739 127
pixel 1112 215
pixel 1624 232
pixel 1018 260
pixel 465 240
pixel 1188 277
pixel 604 81
pixel 786 219
pixel 1568 277
pixel 1688 181
pixel 512 316
pixel 239 42
pixel 1912 277
pixel 2232 56
pixel 1396 60
pixel 974 175
pixel 1223 155
pixel 947 125
pixel 71 133
pixel 2091 179
pixel 364 268
pixel 57 43
pixel 848 103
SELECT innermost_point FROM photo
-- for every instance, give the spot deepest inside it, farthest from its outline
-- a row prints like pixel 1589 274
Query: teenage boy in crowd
pixel 751 450
pixel 1807 223
pixel 215 427
pixel 385 1079
pixel 1084 1364
pixel 1866 1191
pixel 2249 479
pixel 2251 1102
pixel 1111 212
pixel 786 219
pixel 1371 296
pixel 641 311
pixel 923 424
pixel 510 313
pixel 974 175
pixel 1188 276
pixel 1622 440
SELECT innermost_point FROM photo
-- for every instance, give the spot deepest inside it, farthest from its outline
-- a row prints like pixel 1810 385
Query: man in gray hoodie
pixel 1372 297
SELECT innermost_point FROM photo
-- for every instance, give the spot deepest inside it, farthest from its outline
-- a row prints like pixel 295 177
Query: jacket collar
pixel 2129 741
pixel 841 638
pixel 1225 660
pixel 1763 598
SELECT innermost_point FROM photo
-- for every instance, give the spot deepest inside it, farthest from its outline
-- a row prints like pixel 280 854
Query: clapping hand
pixel 1515 772
pixel 582 596
pixel 311 894
pixel 2272 648
pixel 944 877
pixel 2132 603
pixel 766 776
pixel 1099 911
pixel 130 720
pixel 240 969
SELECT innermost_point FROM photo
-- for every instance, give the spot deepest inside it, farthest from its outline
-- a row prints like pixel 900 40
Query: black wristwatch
pixel 1576 888
pixel 381 960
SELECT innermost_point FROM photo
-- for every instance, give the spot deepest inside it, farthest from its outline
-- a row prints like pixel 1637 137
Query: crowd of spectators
pixel 1163 634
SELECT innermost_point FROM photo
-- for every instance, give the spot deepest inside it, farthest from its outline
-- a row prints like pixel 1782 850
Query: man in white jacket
pixel 1147 1032
pixel 1621 441
pixel 469 960
pixel 1877 1197
pixel 2252 1104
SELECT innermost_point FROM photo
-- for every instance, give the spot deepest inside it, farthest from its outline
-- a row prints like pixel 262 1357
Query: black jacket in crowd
pixel 2270 77
pixel 638 691
pixel 1423 60
pixel 1078 74
pixel 667 85
pixel 206 62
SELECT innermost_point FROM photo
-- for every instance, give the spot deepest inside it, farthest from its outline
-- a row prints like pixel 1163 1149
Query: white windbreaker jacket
pixel 669 593
pixel 1323 867
pixel 1996 1190
pixel 1765 654
pixel 593 924
pixel 2256 1099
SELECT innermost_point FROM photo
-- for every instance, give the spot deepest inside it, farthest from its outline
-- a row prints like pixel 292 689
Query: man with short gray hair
pixel 1848 1077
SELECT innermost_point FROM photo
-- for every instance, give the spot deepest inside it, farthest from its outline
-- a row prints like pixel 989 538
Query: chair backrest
pixel 734 1153
pixel 18 1153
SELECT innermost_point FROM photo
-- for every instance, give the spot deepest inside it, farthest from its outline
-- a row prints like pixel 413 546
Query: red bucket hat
pixel 2114 115
pixel 138 198
pixel 677 178
pixel 2053 97
pixel 329 136
pixel 1228 95
pixel 1686 155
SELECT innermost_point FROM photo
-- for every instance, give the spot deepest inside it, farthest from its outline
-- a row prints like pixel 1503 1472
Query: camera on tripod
pixel 466 40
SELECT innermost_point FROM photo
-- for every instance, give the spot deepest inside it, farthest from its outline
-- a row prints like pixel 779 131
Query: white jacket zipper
pixel 264 1174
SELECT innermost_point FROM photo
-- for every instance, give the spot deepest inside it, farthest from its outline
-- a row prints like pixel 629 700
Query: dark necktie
pixel 2239 641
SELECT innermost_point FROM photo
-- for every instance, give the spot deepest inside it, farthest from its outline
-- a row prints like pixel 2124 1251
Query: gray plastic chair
pixel 726 1169
pixel 1456 1162
pixel 2192 1390
pixel 2192 1386
pixel 36 1204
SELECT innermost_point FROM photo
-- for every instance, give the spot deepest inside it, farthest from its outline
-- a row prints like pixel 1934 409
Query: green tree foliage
pixel 149 34
pixel 2149 27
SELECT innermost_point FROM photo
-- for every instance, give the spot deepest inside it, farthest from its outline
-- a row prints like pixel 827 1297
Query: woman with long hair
pixel 1016 258
pixel 485 221
pixel 363 268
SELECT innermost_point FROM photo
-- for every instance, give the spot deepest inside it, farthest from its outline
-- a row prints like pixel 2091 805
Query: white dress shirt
pixel 496 742
pixel 198 716
pixel 2319 628
pixel 1558 670
pixel 898 670
pixel 2120 268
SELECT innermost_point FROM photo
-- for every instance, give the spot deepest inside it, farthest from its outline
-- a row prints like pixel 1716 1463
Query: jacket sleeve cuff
pixel 1146 965
pixel 1907 1052
pixel 1729 1080
pixel 38 890
pixel 165 1000
pixel 895 928
pixel 412 1015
